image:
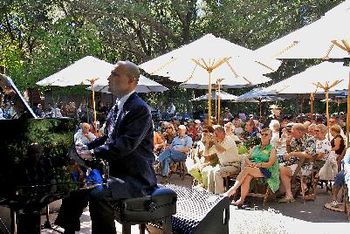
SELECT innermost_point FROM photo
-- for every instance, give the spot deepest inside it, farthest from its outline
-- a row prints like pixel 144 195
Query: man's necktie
pixel 112 116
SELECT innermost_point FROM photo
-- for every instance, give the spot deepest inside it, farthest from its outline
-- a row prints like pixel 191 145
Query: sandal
pixel 335 206
pixel 235 203
pixel 286 200
pixel 310 197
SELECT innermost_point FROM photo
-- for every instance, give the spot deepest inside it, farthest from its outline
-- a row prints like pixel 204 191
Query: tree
pixel 254 23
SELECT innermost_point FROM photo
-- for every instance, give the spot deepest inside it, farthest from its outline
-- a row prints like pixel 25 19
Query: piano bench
pixel 156 208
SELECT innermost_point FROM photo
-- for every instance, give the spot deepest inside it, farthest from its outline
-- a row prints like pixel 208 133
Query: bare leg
pixel 251 171
pixel 238 182
pixel 244 189
pixel 286 176
pixel 335 192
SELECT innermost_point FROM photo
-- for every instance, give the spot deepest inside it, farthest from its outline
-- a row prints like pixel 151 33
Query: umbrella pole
pixel 216 105
pixel 311 104
pixel 348 114
pixel 209 99
pixel 92 82
pixel 260 108
pixel 327 113
pixel 219 103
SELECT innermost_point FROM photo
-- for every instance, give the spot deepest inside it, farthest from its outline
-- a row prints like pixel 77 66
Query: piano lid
pixel 10 97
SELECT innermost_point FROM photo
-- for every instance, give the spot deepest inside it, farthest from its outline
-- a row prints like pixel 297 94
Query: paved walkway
pixel 298 217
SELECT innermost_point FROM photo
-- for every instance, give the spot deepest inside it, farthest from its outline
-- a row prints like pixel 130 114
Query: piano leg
pixel 13 221
pixel 47 223
pixel 25 222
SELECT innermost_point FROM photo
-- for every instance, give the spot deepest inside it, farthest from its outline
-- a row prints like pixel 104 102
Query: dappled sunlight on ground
pixel 297 217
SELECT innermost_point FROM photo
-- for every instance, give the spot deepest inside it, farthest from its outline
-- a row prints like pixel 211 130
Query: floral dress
pixel 263 156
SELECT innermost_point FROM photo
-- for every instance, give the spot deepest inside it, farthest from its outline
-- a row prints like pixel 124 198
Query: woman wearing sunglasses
pixel 261 163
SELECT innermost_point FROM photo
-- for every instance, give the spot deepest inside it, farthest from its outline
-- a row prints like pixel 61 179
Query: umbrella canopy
pixel 215 95
pixel 305 82
pixel 258 95
pixel 191 63
pixel 79 73
pixel 144 85
pixel 314 40
pixel 211 57
pixel 331 39
pixel 336 99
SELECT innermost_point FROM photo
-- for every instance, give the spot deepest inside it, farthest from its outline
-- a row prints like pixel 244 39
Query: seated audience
pixel 301 146
pixel 83 135
pixel 342 178
pixel 250 136
pixel 201 162
pixel 238 130
pixel 337 143
pixel 158 142
pixel 229 160
pixel 262 163
pixel 230 131
pixel 170 133
pixel 325 163
pixel 177 150
pixel 275 129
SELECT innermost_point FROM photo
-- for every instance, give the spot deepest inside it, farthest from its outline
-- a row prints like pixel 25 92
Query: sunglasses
pixel 264 134
pixel 205 131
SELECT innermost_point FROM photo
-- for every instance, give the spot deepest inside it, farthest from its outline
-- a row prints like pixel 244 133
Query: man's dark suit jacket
pixel 129 149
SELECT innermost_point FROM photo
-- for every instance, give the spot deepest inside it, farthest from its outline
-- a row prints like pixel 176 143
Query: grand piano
pixel 36 166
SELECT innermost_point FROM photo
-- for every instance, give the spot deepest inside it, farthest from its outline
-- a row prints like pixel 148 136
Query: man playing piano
pixel 128 147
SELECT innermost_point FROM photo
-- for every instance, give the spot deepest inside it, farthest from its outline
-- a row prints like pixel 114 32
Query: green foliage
pixel 39 38
pixel 61 46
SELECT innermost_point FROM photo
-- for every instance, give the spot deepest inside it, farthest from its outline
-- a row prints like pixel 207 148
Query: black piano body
pixel 35 163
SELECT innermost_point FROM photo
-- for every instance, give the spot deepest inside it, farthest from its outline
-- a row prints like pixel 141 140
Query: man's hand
pixel 287 156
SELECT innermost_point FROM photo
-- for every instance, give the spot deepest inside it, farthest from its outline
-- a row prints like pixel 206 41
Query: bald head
pixel 131 68
pixel 123 78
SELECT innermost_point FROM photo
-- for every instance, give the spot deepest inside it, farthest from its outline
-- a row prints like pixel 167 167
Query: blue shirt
pixel 180 142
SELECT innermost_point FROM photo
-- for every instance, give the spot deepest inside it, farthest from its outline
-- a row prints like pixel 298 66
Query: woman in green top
pixel 262 163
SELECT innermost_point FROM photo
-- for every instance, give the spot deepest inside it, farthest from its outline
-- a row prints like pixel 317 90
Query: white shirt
pixel 80 138
pixel 121 101
pixel 274 139
pixel 230 154
pixel 323 146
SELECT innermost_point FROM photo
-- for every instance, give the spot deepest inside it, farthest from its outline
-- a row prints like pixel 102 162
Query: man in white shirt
pixel 229 160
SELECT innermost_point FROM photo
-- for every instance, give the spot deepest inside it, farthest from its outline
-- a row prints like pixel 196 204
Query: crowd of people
pixel 247 148
pixel 239 146
pixel 242 146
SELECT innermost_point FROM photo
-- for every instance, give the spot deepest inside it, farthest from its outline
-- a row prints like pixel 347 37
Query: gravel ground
pixel 299 217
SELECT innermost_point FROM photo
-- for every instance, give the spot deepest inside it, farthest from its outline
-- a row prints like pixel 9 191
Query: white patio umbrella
pixel 315 39
pixel 218 96
pixel 321 78
pixel 215 95
pixel 144 85
pixel 332 40
pixel 304 82
pixel 80 72
pixel 258 95
pixel 210 57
